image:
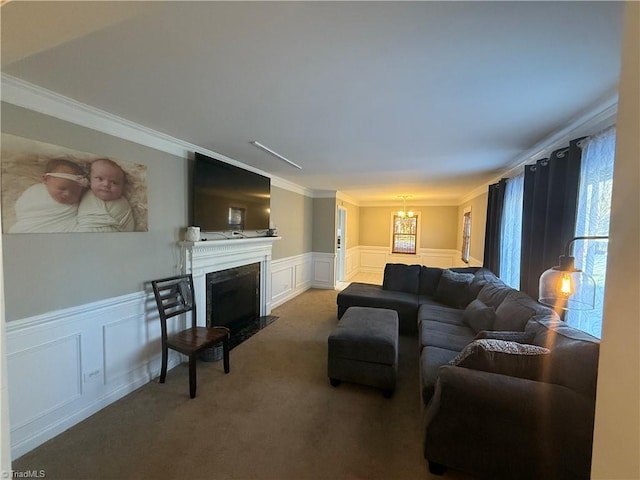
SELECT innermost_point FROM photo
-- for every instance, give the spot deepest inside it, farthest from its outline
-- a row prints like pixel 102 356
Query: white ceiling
pixel 373 99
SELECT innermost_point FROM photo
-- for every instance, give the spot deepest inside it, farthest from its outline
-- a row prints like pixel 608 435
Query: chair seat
pixel 194 339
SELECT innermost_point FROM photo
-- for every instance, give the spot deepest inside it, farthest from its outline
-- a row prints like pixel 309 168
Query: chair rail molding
pixel 65 365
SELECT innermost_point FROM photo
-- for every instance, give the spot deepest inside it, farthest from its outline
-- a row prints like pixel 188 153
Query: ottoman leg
pixel 387 392
pixel 335 382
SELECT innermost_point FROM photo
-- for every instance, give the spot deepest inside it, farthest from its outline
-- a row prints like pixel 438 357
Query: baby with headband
pixel 51 206
pixel 104 207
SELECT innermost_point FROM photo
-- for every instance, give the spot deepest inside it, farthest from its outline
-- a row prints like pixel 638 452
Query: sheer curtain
pixel 511 232
pixel 594 210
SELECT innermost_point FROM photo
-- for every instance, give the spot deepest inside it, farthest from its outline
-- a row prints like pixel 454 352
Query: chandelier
pixel 404 213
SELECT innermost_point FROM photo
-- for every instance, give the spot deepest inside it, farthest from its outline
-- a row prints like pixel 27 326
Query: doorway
pixel 341 244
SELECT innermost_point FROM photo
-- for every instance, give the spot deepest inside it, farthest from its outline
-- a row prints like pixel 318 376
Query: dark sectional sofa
pixel 507 388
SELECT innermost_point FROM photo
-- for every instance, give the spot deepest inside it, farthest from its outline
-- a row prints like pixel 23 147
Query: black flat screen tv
pixel 226 197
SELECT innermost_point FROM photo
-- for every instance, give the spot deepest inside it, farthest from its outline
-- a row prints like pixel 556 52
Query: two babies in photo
pixel 68 201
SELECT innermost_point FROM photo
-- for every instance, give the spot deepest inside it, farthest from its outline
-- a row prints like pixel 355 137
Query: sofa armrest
pixel 498 426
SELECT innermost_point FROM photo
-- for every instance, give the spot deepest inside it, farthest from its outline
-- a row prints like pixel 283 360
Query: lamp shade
pixel 567 289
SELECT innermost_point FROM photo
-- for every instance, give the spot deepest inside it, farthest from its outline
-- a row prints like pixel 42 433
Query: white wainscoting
pixel 373 259
pixel 66 365
pixel 324 270
pixel 290 277
pixel 352 262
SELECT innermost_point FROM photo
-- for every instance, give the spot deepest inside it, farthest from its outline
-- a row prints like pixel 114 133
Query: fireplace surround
pixel 209 256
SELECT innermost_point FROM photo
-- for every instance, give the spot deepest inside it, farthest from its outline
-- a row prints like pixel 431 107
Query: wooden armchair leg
pixel 225 351
pixel 192 375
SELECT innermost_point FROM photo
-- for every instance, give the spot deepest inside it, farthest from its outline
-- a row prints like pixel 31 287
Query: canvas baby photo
pixel 52 189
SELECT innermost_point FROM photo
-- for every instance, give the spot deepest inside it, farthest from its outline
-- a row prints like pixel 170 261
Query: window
pixel 405 234
pixel 592 218
pixel 466 236
pixel 511 232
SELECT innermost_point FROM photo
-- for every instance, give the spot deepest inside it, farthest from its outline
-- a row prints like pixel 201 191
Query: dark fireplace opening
pixel 233 301
pixel 233 296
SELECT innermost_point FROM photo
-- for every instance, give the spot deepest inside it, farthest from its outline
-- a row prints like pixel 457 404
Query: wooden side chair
pixel 174 296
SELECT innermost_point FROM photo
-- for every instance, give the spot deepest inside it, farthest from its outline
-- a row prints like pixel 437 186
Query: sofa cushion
pixel 479 316
pixel 515 311
pixel 399 277
pixel 431 359
pixel 369 295
pixel 493 293
pixel 520 337
pixel 480 279
pixel 440 313
pixel 429 278
pixel 447 328
pixel 453 289
pixel 503 357
pixel 471 270
pixel 430 337
pixel 573 361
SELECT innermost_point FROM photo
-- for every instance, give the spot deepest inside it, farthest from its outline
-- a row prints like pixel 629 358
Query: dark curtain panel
pixel 549 213
pixel 495 205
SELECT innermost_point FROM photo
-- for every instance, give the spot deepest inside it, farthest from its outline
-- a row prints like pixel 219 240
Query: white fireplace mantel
pixel 201 258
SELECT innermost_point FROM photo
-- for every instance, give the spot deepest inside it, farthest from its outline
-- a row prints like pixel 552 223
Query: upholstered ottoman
pixel 363 348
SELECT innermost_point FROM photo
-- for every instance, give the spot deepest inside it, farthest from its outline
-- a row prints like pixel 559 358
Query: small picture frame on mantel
pixel 236 218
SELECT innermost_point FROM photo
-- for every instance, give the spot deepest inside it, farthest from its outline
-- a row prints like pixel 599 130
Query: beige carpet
pixel 275 416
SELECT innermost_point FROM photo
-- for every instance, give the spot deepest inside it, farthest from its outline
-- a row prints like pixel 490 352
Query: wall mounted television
pixel 226 197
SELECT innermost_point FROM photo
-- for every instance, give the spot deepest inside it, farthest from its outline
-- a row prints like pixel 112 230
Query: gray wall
pixel 292 213
pixel 45 272
pixel 478 207
pixel 324 225
pixel 438 226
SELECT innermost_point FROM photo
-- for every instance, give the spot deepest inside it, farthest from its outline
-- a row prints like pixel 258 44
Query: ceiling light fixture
pixel 403 213
pixel 277 155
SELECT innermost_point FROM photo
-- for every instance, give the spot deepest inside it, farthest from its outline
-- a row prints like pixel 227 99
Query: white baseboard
pixel 64 366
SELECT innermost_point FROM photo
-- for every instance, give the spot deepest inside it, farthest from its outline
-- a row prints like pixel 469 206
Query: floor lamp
pixel 564 286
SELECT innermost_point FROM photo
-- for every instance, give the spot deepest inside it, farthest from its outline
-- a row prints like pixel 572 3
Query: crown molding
pixel 325 194
pixel 445 202
pixel 32 97
pixel 290 186
pixel 600 116
pixel 346 198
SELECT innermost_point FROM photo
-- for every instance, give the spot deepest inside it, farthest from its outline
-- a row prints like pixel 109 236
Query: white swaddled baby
pixel 104 208
pixel 51 206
